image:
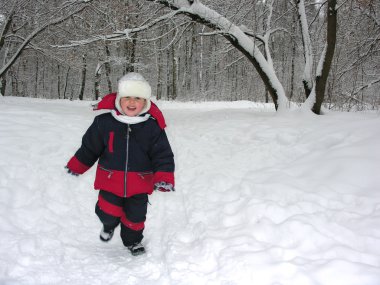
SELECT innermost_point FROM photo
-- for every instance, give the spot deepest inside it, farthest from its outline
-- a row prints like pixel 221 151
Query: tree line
pixel 314 53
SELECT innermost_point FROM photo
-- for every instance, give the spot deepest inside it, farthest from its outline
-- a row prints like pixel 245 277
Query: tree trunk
pixel 159 71
pixel 59 81
pixel 328 56
pixel 6 25
pixel 107 67
pixel 66 81
pixel 308 53
pixel 133 53
pixel 83 82
pixel 168 75
pixel 13 82
pixel 97 82
pixel 36 78
pixel 3 85
pixel 43 77
pixel 130 53
pixel 292 72
pixel 174 75
pixel 189 58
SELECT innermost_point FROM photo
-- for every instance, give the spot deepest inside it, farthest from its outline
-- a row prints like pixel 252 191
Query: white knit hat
pixel 133 84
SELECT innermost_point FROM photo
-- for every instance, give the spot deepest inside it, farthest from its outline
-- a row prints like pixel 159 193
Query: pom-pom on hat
pixel 133 84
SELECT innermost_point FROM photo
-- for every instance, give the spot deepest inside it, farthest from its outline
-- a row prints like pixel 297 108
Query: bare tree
pixel 315 91
pixel 25 36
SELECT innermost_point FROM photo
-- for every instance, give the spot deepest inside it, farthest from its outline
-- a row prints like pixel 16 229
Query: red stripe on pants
pixel 109 208
pixel 132 225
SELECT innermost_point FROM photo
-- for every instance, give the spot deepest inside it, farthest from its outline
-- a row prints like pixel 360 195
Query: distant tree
pixel 23 22
pixel 357 67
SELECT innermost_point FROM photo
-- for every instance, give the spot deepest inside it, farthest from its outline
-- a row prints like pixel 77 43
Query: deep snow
pixel 262 198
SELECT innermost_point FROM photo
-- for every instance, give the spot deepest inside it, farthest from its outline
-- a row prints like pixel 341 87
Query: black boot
pixel 106 235
pixel 136 249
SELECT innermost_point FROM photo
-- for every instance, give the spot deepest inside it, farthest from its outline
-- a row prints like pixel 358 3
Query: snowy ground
pixel 262 199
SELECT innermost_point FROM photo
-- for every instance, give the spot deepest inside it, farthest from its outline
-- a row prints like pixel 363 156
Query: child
pixel 134 158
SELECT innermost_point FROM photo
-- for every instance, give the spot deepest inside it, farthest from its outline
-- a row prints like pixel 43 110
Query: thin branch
pixel 317 14
pixel 119 35
pixel 33 34
pixel 366 86
pixel 344 2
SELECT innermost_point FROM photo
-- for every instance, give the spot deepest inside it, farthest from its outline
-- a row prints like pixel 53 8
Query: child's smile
pixel 132 106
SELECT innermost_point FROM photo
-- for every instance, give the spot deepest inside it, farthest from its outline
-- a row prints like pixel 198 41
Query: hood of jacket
pixel 108 103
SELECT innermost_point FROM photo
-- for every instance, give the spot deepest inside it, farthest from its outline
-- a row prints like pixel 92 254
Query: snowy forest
pixel 267 191
pixel 263 51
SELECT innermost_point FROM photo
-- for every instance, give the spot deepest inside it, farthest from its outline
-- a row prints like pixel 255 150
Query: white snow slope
pixel 262 199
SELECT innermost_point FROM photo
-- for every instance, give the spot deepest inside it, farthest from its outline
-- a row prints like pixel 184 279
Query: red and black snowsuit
pixel 131 159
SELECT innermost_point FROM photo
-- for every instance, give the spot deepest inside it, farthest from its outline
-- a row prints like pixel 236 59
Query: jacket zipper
pixel 126 162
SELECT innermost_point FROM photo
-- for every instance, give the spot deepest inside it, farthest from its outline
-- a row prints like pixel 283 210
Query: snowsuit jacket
pixel 131 157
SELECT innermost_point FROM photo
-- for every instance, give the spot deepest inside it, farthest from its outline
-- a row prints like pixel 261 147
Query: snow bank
pixel 261 199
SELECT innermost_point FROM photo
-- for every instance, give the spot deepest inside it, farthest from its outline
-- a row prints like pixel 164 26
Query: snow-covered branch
pixel 250 33
pixel 267 35
pixel 238 38
pixel 120 35
pixel 308 51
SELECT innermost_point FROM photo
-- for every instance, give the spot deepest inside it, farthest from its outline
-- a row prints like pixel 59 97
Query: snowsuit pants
pixel 129 212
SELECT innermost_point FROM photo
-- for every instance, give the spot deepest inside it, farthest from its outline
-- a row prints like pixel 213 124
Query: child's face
pixel 132 106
